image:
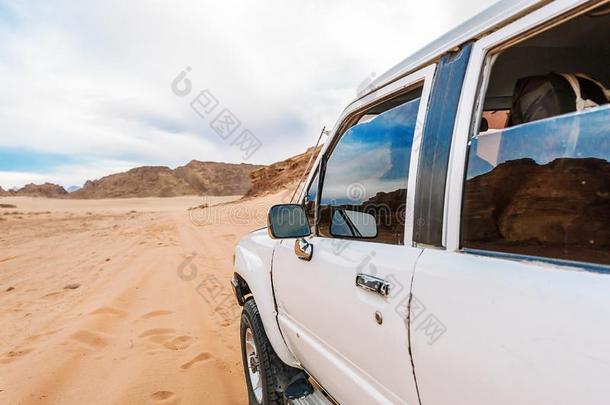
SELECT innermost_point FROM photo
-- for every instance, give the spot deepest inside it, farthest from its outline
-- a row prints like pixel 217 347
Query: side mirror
pixel 287 221
pixel 353 224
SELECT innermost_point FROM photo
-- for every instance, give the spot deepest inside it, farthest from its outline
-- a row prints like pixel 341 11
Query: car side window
pixel 365 180
pixel 538 178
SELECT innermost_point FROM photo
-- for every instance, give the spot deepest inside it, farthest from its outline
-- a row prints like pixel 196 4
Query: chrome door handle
pixel 303 249
pixel 372 283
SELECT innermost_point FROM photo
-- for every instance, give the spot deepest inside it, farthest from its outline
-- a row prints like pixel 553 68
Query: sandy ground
pixel 121 301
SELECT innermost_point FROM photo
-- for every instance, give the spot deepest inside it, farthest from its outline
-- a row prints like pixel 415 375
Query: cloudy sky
pixel 87 86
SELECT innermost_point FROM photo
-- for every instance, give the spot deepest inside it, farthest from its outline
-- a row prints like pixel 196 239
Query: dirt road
pixel 123 305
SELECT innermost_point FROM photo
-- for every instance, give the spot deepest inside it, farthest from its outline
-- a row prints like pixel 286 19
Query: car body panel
pixel 334 333
pixel 253 261
pixel 521 332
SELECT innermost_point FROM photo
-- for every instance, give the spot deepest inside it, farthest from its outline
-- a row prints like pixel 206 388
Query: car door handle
pixel 372 283
pixel 303 249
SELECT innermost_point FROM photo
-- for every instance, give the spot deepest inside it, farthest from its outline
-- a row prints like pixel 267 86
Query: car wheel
pixel 258 359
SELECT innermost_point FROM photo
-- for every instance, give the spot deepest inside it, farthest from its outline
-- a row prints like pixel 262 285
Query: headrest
pixel 544 96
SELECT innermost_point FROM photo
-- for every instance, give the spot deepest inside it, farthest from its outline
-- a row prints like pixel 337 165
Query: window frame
pixel 470 107
pixel 305 192
pixel 350 116
pixel 416 87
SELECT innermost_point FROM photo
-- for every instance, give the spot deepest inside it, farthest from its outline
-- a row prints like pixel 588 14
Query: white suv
pixel 452 243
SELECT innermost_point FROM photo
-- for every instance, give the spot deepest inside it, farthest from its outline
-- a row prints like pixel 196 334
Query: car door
pixel 513 304
pixel 336 312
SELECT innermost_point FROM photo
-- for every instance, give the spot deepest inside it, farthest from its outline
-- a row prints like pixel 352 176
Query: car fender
pixel 253 261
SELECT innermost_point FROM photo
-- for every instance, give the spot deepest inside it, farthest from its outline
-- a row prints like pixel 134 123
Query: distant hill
pixel 213 178
pixel 195 178
pixel 41 190
pixel 280 175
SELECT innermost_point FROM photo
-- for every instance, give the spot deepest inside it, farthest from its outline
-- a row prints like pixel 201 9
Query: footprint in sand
pixel 154 352
pixel 179 343
pixel 108 311
pixel 14 355
pixel 163 396
pixel 157 332
pixel 89 339
pixel 166 337
pixel 200 357
pixel 158 335
pixel 154 314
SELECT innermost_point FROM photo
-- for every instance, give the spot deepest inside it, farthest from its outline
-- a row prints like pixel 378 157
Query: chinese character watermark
pixel 224 123
pixel 213 291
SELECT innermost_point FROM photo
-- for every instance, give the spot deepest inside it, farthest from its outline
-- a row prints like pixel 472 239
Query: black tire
pixel 268 362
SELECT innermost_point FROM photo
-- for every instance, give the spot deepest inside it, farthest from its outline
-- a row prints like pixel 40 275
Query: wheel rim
pixel 253 366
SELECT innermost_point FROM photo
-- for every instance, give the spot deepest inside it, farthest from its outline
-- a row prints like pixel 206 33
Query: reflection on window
pixel 309 201
pixel 367 172
pixel 542 188
pixel 355 224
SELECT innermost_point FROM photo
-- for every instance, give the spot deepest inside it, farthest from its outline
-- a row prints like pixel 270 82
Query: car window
pixel 542 189
pixel 538 171
pixel 365 181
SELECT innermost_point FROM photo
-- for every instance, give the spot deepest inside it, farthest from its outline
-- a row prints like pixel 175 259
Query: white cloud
pixel 93 79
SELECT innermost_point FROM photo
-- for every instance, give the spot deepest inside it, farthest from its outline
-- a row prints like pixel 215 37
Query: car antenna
pixel 324 131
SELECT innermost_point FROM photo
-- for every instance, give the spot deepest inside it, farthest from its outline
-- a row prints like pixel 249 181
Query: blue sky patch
pixel 18 160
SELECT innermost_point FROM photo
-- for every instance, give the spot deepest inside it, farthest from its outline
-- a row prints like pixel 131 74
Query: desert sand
pixel 123 301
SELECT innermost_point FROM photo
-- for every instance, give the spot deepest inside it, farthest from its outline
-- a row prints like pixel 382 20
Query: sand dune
pixel 122 302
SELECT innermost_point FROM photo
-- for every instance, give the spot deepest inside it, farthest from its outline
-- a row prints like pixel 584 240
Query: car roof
pixel 492 18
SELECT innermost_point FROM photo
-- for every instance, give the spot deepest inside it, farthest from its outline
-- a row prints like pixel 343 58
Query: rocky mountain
pixel 280 175
pixel 195 178
pixel 213 178
pixel 563 205
pixel 146 181
pixel 72 189
pixel 41 190
pixel 3 192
